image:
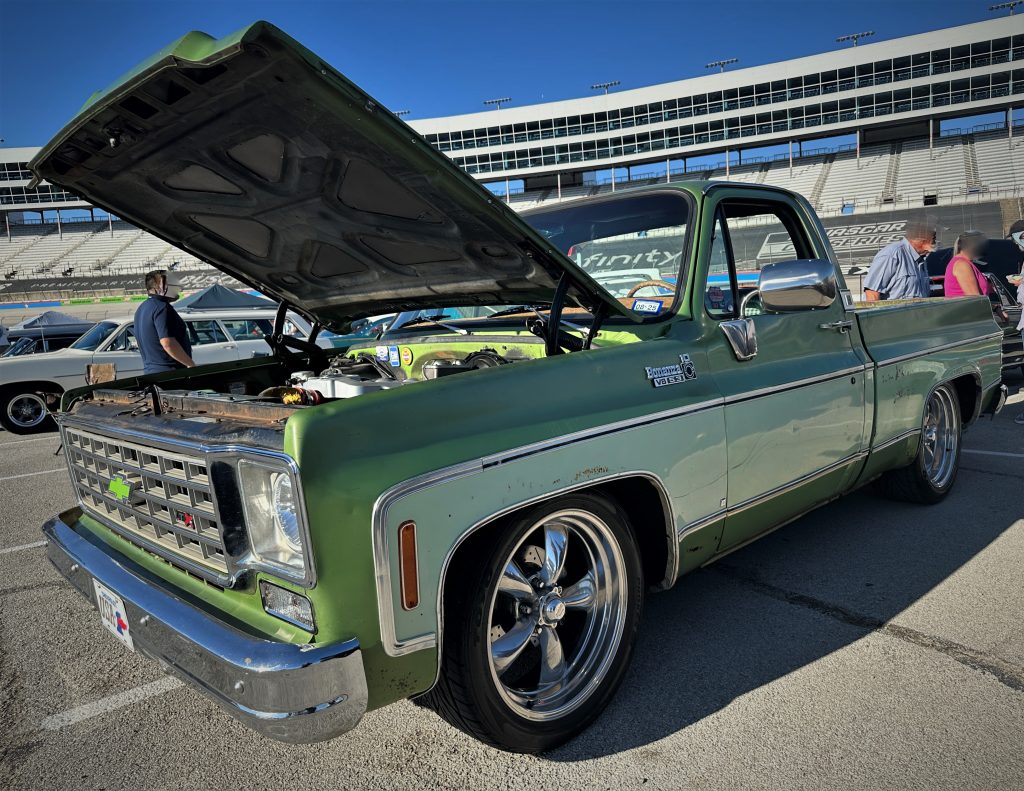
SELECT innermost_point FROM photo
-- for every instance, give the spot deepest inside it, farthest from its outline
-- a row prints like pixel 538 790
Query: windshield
pixel 20 346
pixel 94 337
pixel 633 247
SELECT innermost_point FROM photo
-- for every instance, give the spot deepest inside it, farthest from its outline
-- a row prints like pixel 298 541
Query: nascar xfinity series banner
pixel 190 281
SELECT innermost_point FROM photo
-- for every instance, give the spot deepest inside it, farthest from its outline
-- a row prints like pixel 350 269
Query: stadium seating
pixel 961 166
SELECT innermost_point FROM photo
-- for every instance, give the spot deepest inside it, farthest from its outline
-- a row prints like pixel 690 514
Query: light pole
pixel 498 102
pixel 721 64
pixel 855 37
pixel 597 86
pixel 1011 5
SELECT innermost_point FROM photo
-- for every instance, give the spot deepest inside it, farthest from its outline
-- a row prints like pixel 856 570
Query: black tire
pixel 470 693
pixel 930 477
pixel 18 407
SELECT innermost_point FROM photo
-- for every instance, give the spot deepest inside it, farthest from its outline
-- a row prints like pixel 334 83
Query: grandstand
pixel 880 130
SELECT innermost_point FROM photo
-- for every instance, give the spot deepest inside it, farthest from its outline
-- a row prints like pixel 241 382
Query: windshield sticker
pixel 663 375
pixel 393 357
pixel 382 353
pixel 406 355
pixel 650 306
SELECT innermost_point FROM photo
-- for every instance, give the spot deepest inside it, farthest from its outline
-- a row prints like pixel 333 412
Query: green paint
pixel 351 451
pixel 120 488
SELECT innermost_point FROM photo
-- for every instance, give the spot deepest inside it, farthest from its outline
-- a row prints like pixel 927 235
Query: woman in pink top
pixel 963 278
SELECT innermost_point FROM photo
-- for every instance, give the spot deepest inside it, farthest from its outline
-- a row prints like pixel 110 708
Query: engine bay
pixel 268 392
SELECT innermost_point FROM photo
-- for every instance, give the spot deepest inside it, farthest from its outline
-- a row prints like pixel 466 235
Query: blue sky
pixel 435 57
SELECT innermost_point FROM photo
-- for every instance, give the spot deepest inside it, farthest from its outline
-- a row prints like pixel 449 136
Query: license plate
pixel 113 614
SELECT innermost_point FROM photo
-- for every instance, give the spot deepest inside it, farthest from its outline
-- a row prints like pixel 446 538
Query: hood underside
pixel 252 154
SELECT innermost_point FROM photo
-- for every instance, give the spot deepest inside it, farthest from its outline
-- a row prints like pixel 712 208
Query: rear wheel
pixel 23 411
pixel 539 631
pixel 933 472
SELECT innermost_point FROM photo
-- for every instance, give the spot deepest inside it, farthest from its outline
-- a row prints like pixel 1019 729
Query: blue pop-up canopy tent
pixel 218 297
pixel 51 318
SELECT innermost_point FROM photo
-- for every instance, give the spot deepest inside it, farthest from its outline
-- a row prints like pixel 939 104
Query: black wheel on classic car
pixel 24 411
pixel 540 627
pixel 933 472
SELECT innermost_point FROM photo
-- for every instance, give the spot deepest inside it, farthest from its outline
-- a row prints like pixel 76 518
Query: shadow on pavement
pixel 717 636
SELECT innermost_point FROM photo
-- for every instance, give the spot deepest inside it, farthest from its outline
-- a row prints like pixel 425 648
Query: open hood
pixel 254 155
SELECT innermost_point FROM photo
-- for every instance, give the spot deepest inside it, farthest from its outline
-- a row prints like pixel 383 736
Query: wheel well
pixel 638 496
pixel 968 396
pixel 35 387
pixel 47 389
pixel 643 503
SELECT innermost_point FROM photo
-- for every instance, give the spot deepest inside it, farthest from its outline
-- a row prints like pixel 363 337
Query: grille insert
pixel 159 499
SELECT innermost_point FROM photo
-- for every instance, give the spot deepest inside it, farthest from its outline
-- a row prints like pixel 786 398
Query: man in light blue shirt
pixel 898 271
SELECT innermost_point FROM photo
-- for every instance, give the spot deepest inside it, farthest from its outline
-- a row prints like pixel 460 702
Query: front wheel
pixel 539 632
pixel 933 472
pixel 24 411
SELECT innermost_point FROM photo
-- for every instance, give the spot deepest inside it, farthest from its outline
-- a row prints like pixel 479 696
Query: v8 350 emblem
pixel 672 374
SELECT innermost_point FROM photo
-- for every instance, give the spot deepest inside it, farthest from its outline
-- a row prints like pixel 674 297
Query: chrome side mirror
pixel 802 284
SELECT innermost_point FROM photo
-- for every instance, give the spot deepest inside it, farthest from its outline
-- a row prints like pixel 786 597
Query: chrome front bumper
pixel 292 693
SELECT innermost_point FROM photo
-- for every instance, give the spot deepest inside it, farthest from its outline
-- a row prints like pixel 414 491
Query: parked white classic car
pixel 32 385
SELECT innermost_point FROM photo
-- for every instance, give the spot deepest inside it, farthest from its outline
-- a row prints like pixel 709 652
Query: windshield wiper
pixel 435 321
pixel 516 309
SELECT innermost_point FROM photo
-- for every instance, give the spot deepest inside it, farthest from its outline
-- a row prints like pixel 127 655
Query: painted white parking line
pixel 103 705
pixel 995 453
pixel 30 474
pixel 33 545
pixel 23 441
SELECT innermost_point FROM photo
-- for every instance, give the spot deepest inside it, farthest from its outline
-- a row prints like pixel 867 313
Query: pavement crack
pixel 34 587
pixel 1006 673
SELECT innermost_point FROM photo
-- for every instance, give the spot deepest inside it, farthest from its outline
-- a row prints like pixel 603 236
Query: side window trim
pixel 730 262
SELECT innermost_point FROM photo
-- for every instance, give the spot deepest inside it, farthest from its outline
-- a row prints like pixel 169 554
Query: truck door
pixel 794 411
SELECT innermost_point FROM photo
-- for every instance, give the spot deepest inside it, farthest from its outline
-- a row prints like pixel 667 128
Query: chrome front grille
pixel 159 499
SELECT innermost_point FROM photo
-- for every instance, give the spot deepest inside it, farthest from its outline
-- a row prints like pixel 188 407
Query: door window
pixel 124 342
pixel 201 333
pixel 720 290
pixel 748 235
pixel 250 329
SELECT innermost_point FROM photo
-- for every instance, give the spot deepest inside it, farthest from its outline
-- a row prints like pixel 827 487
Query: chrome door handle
pixel 840 326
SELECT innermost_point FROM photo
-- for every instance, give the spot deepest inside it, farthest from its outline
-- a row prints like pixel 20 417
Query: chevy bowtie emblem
pixel 124 490
pixel 120 488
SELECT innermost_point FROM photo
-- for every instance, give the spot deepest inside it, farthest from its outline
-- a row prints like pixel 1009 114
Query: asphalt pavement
pixel 869 645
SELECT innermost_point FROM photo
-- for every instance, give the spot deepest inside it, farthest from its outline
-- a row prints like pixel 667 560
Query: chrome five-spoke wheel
pixel 940 438
pixel 540 618
pixel 557 614
pixel 930 477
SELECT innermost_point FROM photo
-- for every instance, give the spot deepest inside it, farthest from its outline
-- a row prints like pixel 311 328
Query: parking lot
pixel 869 645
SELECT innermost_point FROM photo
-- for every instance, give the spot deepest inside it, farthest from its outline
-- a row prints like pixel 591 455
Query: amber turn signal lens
pixel 407 565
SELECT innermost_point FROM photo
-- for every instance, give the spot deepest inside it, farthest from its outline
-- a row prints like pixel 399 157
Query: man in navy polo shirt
pixel 159 329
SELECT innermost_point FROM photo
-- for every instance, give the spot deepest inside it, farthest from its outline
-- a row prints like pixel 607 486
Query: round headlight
pixel 284 510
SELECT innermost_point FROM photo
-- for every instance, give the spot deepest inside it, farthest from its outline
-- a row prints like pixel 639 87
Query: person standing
pixel 1016 233
pixel 898 271
pixel 963 278
pixel 159 330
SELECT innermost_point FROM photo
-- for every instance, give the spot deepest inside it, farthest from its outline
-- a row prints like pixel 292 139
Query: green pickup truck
pixel 576 407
